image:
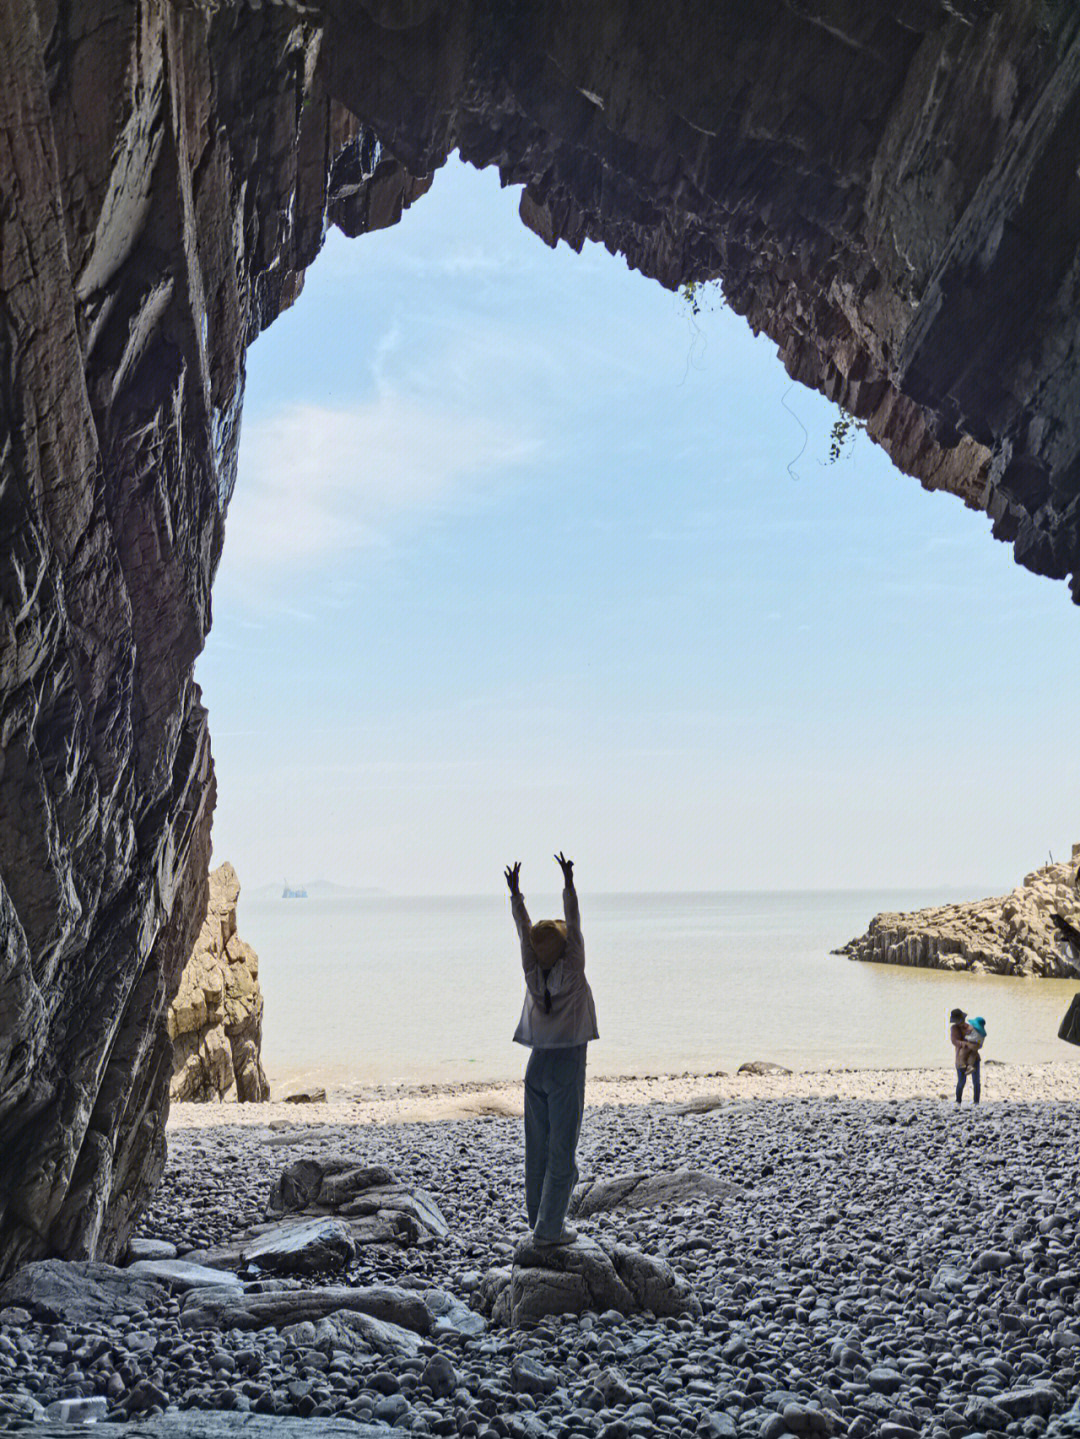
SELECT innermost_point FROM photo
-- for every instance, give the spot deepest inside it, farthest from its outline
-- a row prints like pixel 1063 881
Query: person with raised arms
pixel 558 1019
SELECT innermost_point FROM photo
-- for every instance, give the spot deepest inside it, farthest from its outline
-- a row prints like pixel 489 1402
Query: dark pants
pixel 554 1104
pixel 975 1087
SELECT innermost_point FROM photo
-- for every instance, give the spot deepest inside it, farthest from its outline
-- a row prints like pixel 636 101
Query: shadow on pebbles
pixel 831 1267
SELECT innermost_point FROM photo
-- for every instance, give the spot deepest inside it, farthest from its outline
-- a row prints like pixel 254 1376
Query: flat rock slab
pixel 583 1276
pixel 643 1190
pixel 224 1308
pixel 181 1274
pixel 703 1104
pixel 307 1247
pixel 387 1227
pixel 219 1424
pixel 77 1291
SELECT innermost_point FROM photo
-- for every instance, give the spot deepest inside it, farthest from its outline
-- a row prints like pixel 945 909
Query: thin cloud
pixel 317 482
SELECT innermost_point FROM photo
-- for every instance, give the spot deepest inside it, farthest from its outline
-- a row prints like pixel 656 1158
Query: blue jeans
pixel 975 1087
pixel 554 1104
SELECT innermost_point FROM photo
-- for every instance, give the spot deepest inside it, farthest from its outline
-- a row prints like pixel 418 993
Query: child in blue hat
pixel 967 1055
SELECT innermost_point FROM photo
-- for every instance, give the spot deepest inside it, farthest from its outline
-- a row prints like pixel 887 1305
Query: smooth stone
pixel 181 1274
pixel 884 1380
pixel 78 1410
pixel 529 1376
pixel 150 1249
pixel 440 1376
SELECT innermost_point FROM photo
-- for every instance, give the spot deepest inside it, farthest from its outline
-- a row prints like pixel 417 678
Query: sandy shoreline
pixel 423 1103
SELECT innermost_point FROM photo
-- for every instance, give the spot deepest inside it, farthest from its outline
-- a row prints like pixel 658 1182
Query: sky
pixel 523 556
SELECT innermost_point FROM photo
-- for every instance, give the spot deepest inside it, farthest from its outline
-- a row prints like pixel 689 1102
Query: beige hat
pixel 548 941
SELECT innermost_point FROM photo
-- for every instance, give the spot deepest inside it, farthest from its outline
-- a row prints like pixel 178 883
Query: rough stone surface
pixel 59 1290
pixel 586 1275
pixel 347 1330
pixel 377 1206
pixel 811 1278
pixel 215 1021
pixel 1033 931
pixel 644 1190
pixel 889 191
pixel 225 1309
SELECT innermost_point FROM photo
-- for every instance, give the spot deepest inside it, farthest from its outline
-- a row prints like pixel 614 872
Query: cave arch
pixel 889 192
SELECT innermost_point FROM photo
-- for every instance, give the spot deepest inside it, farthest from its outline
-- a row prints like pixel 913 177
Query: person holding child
pixel 558 1019
pixel 967 1037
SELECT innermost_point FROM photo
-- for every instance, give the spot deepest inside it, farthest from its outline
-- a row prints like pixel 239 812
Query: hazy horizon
pixel 524 557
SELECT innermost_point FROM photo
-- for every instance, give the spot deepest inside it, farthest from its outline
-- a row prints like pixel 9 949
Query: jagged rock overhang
pixel 889 190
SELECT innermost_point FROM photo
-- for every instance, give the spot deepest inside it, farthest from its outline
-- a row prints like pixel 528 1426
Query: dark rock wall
pixel 889 190
pixel 165 177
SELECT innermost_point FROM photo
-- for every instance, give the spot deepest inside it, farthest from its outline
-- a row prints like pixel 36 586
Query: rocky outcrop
pixel 215 1021
pixel 889 191
pixel 1033 930
pixel 378 1207
pixel 586 1275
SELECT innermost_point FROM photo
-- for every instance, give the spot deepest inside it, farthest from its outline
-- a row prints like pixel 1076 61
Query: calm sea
pixel 381 989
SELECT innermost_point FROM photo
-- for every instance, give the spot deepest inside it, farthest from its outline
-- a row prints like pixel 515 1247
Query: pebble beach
pixel 883 1264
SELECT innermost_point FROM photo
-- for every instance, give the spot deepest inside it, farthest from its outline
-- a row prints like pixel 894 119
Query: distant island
pixel 314 889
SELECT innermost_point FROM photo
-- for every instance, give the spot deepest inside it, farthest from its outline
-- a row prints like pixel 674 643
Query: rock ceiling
pixel 888 190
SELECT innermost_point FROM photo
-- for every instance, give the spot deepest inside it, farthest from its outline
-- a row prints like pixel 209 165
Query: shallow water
pixel 378 989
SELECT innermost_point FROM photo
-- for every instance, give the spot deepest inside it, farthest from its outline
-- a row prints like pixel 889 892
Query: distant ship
pixel 288 893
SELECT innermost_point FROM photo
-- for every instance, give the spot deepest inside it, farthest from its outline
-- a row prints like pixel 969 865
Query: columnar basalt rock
pixel 1034 930
pixel 215 1021
pixel 889 191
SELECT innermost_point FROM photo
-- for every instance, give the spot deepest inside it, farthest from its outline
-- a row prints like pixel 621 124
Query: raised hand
pixel 567 867
pixel 513 875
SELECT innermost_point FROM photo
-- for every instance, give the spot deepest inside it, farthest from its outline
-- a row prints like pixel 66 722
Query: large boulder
pixel 378 1207
pixel 579 1277
pixel 79 1292
pixel 309 1246
pixel 224 1308
pixel 347 1330
pixel 215 1021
